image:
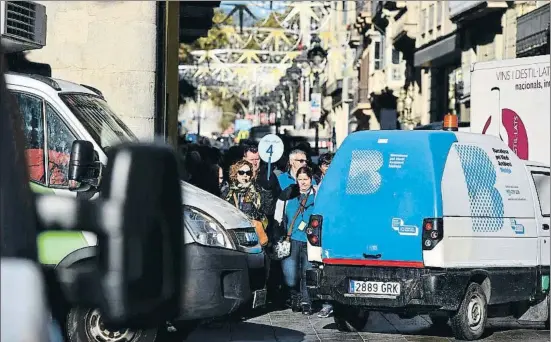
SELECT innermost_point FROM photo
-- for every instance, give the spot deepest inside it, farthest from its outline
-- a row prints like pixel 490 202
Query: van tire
pixel 350 319
pixel 469 321
pixel 81 324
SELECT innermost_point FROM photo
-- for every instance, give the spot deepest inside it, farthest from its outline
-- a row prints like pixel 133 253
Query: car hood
pixel 226 214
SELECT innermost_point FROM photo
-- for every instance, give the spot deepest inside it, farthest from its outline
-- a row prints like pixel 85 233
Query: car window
pixel 543 188
pixel 60 141
pixel 33 121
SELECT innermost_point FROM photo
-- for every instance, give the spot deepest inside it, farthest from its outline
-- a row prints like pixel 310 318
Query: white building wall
pixel 109 45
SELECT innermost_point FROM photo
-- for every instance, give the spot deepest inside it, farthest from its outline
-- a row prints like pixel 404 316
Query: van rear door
pixel 542 192
pixel 374 198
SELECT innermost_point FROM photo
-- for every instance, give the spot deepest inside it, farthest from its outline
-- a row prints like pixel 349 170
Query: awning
pixel 440 53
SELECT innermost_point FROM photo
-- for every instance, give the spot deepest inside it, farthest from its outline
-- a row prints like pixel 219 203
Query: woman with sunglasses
pixel 245 195
pixel 295 214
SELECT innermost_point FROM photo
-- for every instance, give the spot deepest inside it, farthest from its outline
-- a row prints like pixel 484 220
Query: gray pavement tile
pixel 340 337
pixel 413 338
pixel 323 325
pixel 373 337
pixel 286 335
pixel 300 327
pixel 406 326
pixel 377 323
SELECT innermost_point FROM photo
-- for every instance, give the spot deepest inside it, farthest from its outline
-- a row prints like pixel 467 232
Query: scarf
pixel 243 193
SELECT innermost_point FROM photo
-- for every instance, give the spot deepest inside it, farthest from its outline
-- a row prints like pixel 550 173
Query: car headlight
pixel 205 230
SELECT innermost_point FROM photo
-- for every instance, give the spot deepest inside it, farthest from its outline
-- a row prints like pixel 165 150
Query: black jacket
pixel 269 187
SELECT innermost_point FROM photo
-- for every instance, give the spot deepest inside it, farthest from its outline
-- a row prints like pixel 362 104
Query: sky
pixel 261 9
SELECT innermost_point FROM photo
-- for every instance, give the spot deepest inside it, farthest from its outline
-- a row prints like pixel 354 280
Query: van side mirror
pixel 84 166
pixel 134 279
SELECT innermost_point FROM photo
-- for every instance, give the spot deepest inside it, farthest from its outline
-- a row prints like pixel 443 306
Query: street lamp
pixel 316 56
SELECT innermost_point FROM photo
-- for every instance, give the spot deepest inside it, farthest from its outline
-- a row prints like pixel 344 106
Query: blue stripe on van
pixel 379 188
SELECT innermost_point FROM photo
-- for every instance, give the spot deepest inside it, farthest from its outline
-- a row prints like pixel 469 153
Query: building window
pixel 395 57
pixel 344 13
pixel 377 56
pixel 423 21
pixel 396 74
pixel 439 13
pixel 431 17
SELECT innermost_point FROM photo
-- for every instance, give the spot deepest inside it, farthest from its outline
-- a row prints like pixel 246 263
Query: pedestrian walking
pixel 295 213
pixel 323 165
pixel 297 159
pixel 269 188
pixel 245 195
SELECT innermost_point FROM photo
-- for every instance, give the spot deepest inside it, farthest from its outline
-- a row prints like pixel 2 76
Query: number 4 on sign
pixel 270 151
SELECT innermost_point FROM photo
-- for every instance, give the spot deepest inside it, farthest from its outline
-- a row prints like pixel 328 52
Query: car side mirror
pixel 85 169
pixel 134 279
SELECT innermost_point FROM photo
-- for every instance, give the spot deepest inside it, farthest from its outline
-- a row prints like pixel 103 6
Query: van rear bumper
pixel 422 290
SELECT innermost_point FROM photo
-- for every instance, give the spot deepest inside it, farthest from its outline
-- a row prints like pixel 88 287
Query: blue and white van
pixel 449 224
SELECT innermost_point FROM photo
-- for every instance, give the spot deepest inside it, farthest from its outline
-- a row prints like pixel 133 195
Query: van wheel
pixel 350 319
pixel 469 321
pixel 86 325
pixel 439 319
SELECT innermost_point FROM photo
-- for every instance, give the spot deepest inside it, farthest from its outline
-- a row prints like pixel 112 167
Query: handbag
pixel 259 227
pixel 282 248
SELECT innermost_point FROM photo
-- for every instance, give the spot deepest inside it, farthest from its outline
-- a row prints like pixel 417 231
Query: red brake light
pixel 433 232
pixel 313 232
pixel 428 225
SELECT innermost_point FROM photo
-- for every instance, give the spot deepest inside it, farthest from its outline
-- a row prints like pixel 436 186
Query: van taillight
pixel 313 231
pixel 433 232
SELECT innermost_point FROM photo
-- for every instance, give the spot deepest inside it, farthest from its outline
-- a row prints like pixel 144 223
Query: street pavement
pixel 287 326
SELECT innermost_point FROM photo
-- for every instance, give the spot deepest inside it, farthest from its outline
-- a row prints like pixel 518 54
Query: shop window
pixel 60 141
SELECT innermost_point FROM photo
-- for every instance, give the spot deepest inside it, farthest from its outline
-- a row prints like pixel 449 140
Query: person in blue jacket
pixel 297 159
pixel 295 213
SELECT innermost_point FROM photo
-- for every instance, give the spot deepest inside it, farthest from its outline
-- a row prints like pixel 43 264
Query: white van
pixel 449 224
pixel 223 259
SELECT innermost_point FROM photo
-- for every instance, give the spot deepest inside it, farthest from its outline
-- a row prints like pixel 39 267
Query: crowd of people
pixel 279 202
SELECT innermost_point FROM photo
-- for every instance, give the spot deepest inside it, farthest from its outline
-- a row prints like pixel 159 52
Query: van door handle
pixel 545 226
pixel 372 256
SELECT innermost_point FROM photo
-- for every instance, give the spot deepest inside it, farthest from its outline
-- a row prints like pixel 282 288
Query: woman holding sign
pixel 293 215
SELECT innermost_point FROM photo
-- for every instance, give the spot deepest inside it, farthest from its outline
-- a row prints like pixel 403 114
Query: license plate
pixel 259 298
pixel 374 288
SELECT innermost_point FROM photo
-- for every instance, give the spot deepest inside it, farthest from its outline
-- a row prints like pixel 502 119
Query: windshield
pixel 98 118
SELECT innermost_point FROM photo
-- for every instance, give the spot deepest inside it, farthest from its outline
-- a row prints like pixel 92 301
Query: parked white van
pixel 449 224
pixel 223 261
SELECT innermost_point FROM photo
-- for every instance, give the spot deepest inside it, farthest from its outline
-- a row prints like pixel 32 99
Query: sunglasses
pixel 302 161
pixel 242 173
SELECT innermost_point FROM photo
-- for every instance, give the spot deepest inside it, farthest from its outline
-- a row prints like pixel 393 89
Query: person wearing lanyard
pixel 297 213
